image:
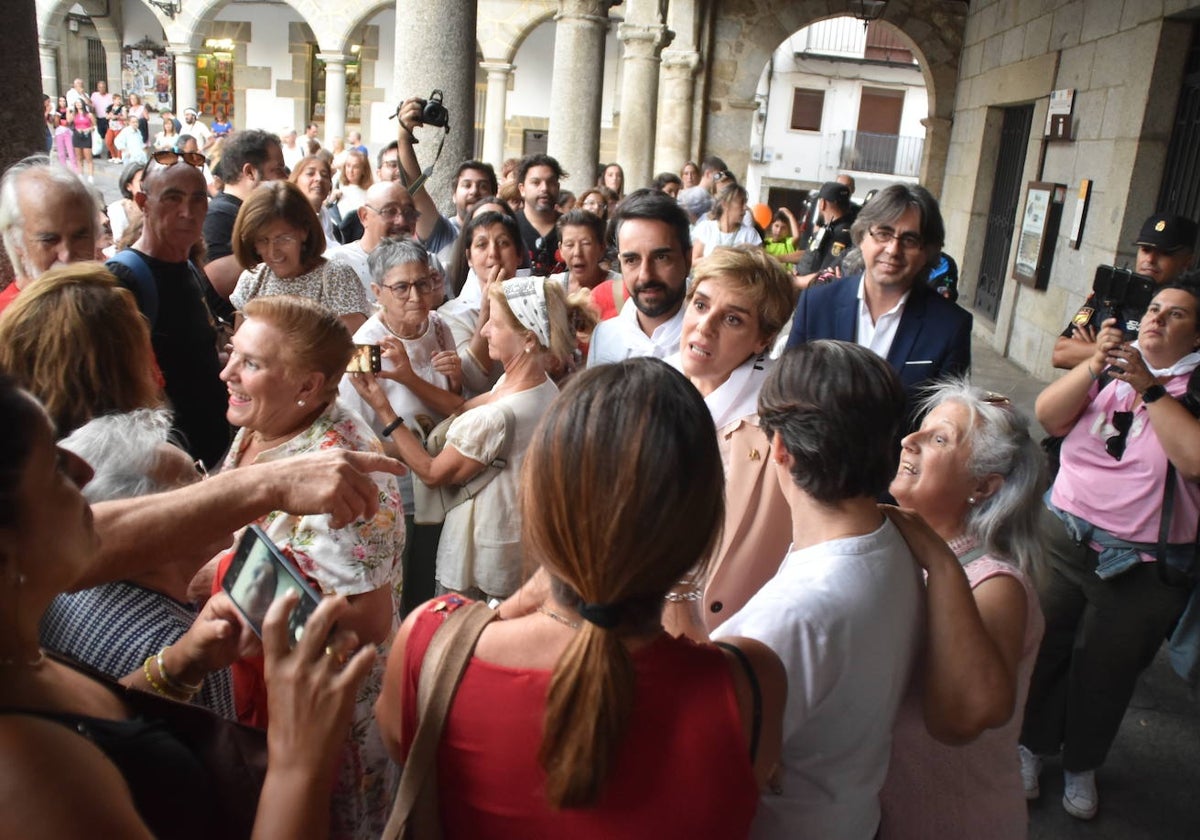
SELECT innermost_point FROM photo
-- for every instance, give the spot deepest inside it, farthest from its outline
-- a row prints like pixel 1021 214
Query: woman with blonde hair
pixel 314 176
pixel 76 340
pixel 584 719
pixel 279 241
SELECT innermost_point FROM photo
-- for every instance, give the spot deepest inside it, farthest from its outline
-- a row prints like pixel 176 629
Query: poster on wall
pixel 149 72
pixel 214 85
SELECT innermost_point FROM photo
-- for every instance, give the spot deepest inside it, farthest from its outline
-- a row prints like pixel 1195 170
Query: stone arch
pixel 50 17
pixel 190 27
pixel 501 31
pixel 746 33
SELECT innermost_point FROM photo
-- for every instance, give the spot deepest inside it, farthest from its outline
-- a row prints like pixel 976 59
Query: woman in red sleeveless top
pixel 584 718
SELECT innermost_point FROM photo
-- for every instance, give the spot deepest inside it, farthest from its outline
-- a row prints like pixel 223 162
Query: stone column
pixel 673 142
pixel 335 96
pixel 639 100
pixel 48 55
pixel 435 48
pixel 185 76
pixel 576 89
pixel 498 74
pixel 933 156
pixel 21 108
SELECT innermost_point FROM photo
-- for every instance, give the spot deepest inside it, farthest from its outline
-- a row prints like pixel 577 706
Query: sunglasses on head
pixel 169 157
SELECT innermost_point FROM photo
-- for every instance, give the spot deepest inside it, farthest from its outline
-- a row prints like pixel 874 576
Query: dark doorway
pixel 97 65
pixel 1002 215
pixel 1180 191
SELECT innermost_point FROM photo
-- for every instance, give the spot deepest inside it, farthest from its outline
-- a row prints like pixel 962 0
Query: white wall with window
pixel 835 98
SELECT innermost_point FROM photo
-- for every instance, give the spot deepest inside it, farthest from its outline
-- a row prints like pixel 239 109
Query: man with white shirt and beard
pixel 654 252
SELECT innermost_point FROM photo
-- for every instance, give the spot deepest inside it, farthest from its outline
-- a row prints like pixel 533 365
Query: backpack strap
pixel 144 288
pixel 755 695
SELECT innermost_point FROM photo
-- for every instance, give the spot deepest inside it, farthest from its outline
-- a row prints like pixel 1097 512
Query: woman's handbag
pixel 415 811
pixel 431 504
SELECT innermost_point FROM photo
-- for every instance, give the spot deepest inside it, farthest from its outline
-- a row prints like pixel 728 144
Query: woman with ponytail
pixel 584 718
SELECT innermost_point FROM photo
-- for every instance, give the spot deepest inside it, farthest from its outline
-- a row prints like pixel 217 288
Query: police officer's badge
pixel 1161 226
pixel 1083 316
pixel 837 248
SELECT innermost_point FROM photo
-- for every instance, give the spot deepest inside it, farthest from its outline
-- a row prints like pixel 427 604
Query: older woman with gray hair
pixel 421 377
pixel 116 627
pixel 975 475
pixel 528 331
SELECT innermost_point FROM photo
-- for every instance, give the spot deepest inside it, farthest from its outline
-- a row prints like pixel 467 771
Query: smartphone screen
pixel 366 359
pixel 258 575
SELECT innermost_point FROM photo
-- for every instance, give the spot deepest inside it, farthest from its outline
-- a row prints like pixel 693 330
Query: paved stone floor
pixel 1150 786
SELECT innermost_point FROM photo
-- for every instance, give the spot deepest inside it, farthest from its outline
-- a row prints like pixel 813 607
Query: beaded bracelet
pixel 158 689
pixel 178 686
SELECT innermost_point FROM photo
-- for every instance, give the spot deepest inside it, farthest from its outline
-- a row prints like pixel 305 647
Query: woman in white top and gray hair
pixel 528 332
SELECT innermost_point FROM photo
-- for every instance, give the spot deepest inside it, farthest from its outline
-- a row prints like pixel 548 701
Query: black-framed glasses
pixel 1114 445
pixel 908 241
pixel 402 289
pixel 410 214
pixel 170 157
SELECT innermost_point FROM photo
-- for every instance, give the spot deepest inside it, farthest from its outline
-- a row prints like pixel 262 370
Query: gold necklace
pixel 549 613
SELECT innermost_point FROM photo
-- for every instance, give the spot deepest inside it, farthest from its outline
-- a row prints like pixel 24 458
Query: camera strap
pixel 416 185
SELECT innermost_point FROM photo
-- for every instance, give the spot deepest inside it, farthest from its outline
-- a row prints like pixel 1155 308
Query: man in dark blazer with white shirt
pixel 889 308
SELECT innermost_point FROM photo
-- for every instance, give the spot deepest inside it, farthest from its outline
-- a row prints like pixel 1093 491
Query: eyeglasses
pixel 908 241
pixel 390 164
pixel 1122 421
pixel 282 241
pixel 992 398
pixel 169 157
pixel 423 287
pixel 410 214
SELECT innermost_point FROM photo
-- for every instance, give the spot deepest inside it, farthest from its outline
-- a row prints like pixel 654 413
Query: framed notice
pixel 1039 232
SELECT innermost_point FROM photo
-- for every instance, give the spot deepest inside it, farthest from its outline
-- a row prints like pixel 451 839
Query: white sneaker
pixel 1079 794
pixel 1031 768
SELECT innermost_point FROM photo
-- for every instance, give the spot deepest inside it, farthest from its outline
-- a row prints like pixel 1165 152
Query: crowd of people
pixel 757 557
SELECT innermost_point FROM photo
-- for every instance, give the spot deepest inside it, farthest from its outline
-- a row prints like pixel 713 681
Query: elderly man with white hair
pixel 47 218
pixel 117 627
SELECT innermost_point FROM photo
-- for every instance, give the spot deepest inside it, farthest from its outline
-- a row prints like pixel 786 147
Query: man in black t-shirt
pixel 538 179
pixel 170 294
pixel 1165 248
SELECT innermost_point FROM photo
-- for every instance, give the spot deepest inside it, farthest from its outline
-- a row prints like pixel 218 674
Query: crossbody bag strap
pixel 445 660
pixel 471 488
pixel 755 695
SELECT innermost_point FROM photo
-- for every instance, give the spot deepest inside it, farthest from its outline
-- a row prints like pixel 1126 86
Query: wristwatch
pixel 1154 392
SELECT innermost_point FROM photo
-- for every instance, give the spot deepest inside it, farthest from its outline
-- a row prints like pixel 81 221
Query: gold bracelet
pixel 178 686
pixel 158 689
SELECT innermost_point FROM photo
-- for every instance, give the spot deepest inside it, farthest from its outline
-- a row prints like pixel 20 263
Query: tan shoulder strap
pixel 446 658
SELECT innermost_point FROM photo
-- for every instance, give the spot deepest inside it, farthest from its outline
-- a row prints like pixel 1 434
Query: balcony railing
pixel 886 154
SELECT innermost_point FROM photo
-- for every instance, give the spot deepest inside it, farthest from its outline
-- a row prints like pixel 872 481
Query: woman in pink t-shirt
pixel 1118 547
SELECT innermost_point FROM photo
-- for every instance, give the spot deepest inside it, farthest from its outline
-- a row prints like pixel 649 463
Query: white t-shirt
pixel 404 402
pixel 709 232
pixel 353 255
pixel 622 338
pixel 844 616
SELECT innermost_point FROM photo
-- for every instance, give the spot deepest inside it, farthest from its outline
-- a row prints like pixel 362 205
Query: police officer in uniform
pixel 832 238
pixel 1165 249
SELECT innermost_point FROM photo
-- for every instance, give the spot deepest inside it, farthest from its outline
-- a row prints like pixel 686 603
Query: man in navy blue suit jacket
pixel 921 334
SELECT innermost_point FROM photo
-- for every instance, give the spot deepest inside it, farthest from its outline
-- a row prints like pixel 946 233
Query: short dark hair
pixel 656 206
pixel 828 398
pixel 486 220
pixel 712 162
pixel 530 161
pixel 478 165
pixel 394 145
pixel 663 178
pixel 582 218
pixel 252 146
pixel 891 203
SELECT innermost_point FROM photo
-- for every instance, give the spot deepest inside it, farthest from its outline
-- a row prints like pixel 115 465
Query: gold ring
pixel 329 651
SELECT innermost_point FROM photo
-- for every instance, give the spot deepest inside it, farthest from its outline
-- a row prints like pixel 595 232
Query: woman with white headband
pixel 529 332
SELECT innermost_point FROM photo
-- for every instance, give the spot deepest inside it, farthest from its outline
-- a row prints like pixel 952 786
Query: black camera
pixel 1121 294
pixel 433 112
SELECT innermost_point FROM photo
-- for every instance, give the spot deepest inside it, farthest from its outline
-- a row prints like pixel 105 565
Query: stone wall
pixel 1124 62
